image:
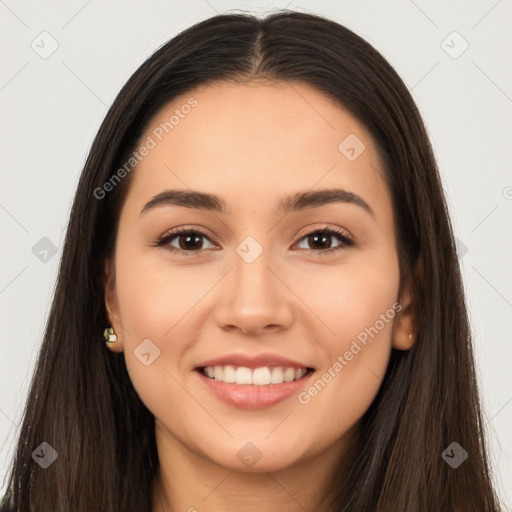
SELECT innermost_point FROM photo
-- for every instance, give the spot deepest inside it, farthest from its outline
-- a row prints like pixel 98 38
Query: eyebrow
pixel 299 201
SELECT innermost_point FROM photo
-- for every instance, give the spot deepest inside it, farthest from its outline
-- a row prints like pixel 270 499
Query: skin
pixel 253 144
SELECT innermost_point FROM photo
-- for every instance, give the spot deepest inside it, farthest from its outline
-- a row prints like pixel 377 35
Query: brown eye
pixel 192 241
pixel 185 241
pixel 321 240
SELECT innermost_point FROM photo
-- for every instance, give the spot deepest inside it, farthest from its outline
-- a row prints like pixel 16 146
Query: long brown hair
pixel 81 400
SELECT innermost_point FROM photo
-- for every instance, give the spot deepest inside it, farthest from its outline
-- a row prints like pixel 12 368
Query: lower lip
pixel 248 396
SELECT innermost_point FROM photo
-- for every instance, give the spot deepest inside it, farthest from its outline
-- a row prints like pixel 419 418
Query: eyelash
pixel 166 238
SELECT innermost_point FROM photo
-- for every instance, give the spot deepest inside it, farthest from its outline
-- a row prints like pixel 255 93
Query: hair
pixel 81 399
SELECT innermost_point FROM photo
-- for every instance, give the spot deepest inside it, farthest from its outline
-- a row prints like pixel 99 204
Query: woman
pixel 261 237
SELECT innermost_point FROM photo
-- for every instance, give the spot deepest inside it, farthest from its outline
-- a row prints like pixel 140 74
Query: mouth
pixel 253 388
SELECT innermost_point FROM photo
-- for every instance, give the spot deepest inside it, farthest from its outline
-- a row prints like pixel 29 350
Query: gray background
pixel 53 106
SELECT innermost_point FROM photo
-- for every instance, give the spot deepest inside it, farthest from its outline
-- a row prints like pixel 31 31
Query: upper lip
pixel 256 361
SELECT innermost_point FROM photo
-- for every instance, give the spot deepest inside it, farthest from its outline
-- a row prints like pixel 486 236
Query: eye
pixel 321 238
pixel 188 241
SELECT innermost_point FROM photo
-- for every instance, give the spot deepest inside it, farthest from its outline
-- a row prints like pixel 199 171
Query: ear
pixel 405 329
pixel 109 284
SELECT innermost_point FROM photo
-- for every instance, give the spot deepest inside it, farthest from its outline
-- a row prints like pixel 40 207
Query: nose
pixel 254 298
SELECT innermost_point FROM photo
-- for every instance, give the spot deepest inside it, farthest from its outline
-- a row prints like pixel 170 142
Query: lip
pixel 257 361
pixel 247 396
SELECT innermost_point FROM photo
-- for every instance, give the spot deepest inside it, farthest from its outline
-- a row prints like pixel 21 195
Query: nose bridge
pixel 255 297
pixel 252 273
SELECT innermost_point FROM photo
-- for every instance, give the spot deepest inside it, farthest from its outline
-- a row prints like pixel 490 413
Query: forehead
pixel 256 138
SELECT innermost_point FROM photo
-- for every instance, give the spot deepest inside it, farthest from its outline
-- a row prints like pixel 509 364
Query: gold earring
pixel 410 336
pixel 109 336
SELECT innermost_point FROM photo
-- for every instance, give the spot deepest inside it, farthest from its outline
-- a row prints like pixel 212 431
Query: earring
pixel 410 336
pixel 109 336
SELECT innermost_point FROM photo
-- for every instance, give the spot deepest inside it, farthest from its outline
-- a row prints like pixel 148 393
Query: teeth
pixel 289 374
pixel 258 377
pixel 261 376
pixel 277 375
pixel 229 374
pixel 243 375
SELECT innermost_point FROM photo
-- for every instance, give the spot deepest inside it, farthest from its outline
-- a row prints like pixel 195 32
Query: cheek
pixel 157 311
pixel 154 297
pixel 360 309
pixel 350 297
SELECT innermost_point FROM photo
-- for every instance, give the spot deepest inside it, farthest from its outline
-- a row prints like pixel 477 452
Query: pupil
pixel 323 237
pixel 187 244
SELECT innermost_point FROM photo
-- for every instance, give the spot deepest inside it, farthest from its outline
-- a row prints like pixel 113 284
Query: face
pixel 270 282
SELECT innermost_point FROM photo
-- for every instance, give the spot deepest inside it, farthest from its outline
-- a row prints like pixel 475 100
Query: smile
pixel 254 388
